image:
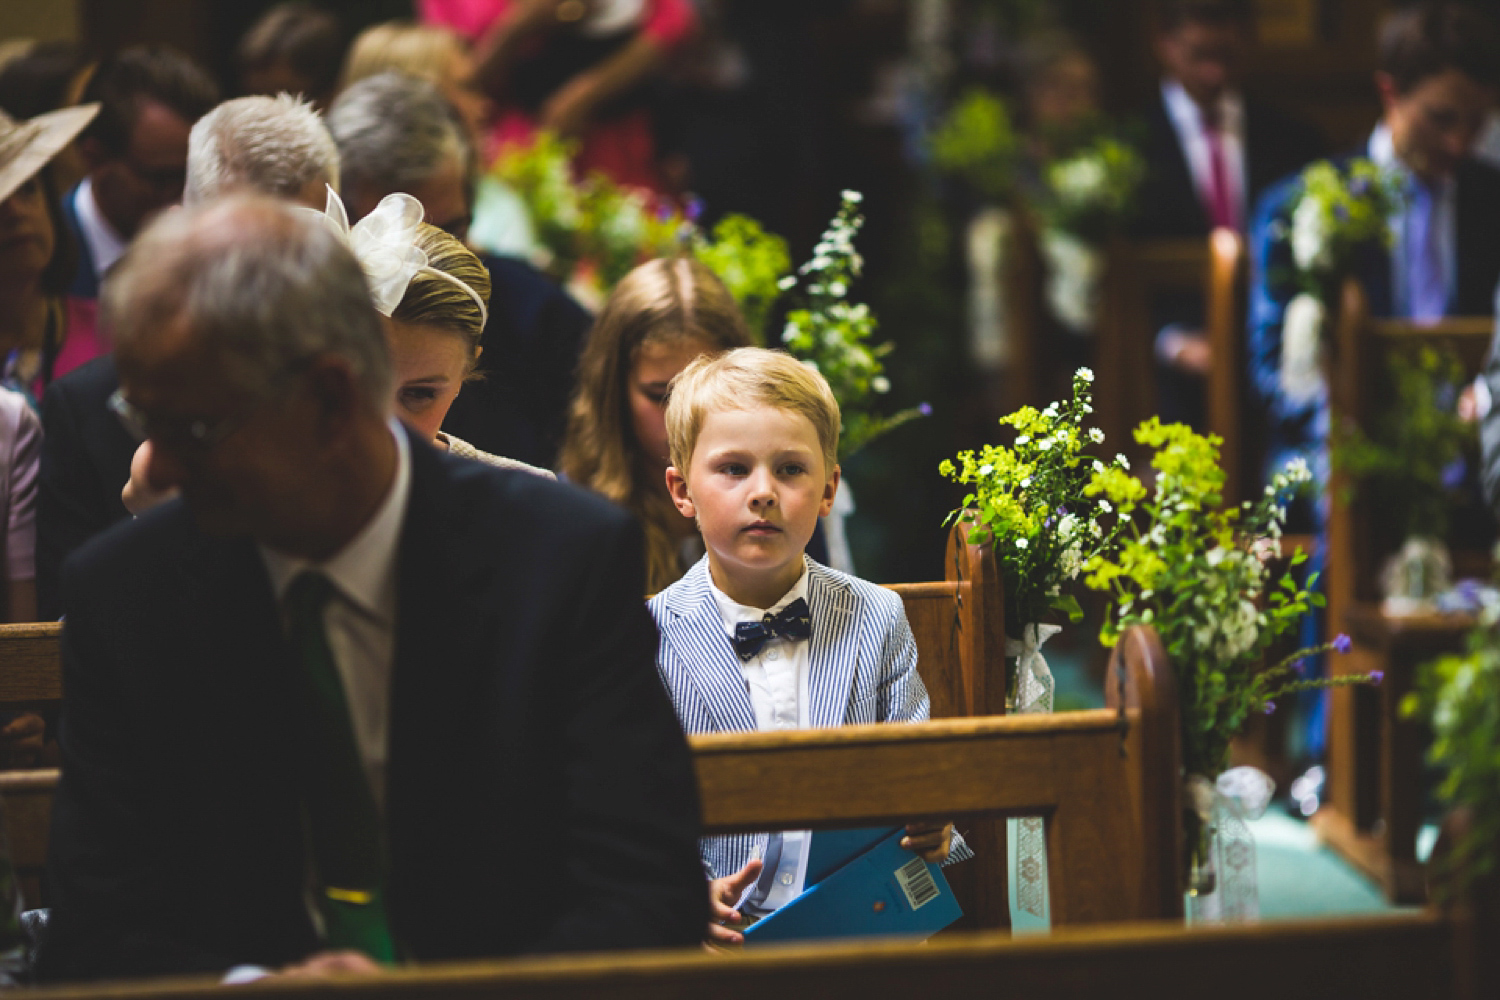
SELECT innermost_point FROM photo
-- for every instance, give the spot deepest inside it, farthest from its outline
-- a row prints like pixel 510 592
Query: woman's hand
pixel 723 893
pixel 929 841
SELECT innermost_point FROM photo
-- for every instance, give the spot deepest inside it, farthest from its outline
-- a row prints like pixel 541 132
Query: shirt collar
pixel 104 244
pixel 1187 116
pixel 364 571
pixel 734 612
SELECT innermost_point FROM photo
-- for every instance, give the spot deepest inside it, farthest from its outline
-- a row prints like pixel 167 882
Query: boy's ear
pixel 678 487
pixel 830 490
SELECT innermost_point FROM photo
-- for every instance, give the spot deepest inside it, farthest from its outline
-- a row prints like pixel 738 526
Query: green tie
pixel 344 824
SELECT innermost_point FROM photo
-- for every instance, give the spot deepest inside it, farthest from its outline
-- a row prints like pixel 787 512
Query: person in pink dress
pixel 578 68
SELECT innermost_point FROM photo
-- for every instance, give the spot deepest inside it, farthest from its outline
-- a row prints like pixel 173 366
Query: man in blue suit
pixel 411 692
pixel 1437 85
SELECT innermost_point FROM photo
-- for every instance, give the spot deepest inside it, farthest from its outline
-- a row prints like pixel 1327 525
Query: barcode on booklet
pixel 917 882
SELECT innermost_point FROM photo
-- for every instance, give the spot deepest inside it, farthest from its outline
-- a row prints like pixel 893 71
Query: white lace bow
pixel 385 244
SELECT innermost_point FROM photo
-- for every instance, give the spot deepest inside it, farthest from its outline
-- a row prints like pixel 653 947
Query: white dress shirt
pixel 777 678
pixel 102 243
pixel 1187 122
pixel 361 618
pixel 1444 223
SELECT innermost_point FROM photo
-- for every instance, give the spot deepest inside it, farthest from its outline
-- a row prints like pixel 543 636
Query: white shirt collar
pixel 364 571
pixel 104 244
pixel 734 612
pixel 1188 117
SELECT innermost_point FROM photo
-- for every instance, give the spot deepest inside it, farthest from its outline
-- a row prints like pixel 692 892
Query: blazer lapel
pixel 695 632
pixel 833 654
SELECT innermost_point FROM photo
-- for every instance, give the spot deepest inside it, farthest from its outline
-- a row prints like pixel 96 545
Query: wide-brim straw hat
pixel 26 147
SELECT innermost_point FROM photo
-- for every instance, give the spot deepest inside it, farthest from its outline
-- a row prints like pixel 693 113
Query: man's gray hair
pixel 394 132
pixel 270 285
pixel 274 145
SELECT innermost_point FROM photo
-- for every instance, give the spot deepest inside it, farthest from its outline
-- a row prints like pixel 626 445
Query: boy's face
pixel 757 484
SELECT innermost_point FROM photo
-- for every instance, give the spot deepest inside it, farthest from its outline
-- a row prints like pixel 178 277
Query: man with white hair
pixel 398 133
pixel 274 145
pixel 410 691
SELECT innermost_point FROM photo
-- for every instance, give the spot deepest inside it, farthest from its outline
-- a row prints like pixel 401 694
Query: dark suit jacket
pixel 540 795
pixel 85 464
pixel 1272 285
pixel 518 407
pixel 1275 145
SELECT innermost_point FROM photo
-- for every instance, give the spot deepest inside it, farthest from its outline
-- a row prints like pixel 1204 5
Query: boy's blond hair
pixel 743 378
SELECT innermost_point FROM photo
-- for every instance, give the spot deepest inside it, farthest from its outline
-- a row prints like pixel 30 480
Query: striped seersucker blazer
pixel 862 667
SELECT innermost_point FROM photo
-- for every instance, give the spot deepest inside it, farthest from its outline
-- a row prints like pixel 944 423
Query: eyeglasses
pixel 197 436
pixel 201 436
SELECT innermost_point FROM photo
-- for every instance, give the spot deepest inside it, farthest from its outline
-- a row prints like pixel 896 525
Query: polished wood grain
pixel 30 668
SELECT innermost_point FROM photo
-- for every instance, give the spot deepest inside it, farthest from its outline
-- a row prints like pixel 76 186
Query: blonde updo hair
pixel 665 301
pixel 420 50
pixel 434 301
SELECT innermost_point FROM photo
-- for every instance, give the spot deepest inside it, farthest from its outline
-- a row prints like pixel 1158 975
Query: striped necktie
pixel 343 823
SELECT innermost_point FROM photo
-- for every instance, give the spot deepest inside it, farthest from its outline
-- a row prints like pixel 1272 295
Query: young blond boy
pixel 757 635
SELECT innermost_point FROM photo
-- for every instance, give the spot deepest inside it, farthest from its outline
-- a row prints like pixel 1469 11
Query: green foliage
pixel 1414 441
pixel 593 221
pixel 1337 213
pixel 830 335
pixel 1197 572
pixel 1459 697
pixel 1091 192
pixel 751 262
pixel 1040 503
pixel 976 141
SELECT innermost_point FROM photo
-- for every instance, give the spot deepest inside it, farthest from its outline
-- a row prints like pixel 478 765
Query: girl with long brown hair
pixel 659 317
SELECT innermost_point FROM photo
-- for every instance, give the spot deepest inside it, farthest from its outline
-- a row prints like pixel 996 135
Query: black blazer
pixel 539 792
pixel 86 457
pixel 1275 145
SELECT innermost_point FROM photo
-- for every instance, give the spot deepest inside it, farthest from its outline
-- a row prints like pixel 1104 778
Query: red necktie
pixel 1220 203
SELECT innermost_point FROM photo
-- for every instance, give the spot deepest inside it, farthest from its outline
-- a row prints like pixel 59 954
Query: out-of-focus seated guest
pixel 1061 84
pixel 37 251
pixel 276 146
pixel 435 328
pixel 1439 68
pixel 46 77
pixel 454 649
pixel 659 317
pixel 1211 150
pixel 20 456
pixel 397 133
pixel 577 69
pixel 136 153
pixel 295 48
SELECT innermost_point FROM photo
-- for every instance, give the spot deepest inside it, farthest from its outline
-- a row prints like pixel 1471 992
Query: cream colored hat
pixel 26 147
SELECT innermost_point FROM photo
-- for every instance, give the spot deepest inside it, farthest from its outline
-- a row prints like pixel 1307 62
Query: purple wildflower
pixel 693 209
pixel 925 409
pixel 1300 666
pixel 1062 511
pixel 1376 676
pixel 1270 708
pixel 1341 212
pixel 663 212
pixel 1342 643
pixel 1359 187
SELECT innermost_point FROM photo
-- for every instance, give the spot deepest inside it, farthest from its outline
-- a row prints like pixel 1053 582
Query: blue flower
pixel 925 409
pixel 1342 643
pixel 1376 676
pixel 1359 187
pixel 1453 473
pixel 1270 708
pixel 1341 212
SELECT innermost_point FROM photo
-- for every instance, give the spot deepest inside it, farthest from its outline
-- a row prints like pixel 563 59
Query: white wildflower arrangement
pixel 1042 504
pixel 832 335
pixel 1200 575
pixel 1090 192
pixel 1336 214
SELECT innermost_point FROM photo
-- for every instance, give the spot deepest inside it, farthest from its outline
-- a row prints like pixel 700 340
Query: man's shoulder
pixel 1477 178
pixel 522 292
pixel 90 384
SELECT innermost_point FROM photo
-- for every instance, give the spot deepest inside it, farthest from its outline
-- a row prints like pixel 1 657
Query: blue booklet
pixel 886 890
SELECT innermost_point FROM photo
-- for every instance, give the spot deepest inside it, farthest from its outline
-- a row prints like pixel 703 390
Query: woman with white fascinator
pixel 436 293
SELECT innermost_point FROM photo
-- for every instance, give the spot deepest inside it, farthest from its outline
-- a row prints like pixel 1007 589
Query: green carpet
pixel 1300 878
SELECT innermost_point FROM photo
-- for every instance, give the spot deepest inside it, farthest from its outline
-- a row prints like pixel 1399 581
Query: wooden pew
pixel 1106 781
pixel 30 679
pixel 1373 808
pixel 1400 957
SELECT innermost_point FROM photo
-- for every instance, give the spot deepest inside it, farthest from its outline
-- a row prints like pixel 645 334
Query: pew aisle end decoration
pixel 1087 197
pixel 1337 214
pixel 591 232
pixel 1459 697
pixel 1199 574
pixel 1411 461
pixel 828 333
pixel 1040 504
